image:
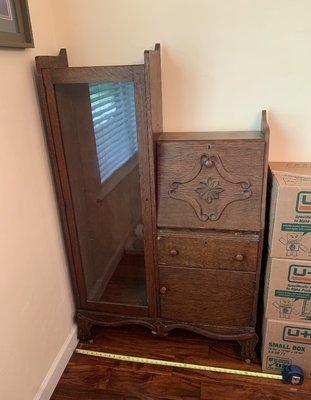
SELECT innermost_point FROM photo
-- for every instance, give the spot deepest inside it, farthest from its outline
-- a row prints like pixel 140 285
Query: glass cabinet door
pixel 99 129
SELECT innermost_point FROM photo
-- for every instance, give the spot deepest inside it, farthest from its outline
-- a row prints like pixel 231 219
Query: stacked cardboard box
pixel 287 297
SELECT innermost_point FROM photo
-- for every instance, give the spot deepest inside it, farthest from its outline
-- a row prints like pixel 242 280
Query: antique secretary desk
pixel 161 229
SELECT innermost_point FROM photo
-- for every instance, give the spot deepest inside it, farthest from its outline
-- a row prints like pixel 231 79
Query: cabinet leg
pixel 248 348
pixel 84 329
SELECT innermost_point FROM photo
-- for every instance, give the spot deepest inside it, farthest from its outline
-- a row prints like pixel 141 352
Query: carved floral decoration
pixel 211 189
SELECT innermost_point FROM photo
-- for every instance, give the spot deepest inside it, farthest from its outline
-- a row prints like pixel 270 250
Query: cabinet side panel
pixel 42 64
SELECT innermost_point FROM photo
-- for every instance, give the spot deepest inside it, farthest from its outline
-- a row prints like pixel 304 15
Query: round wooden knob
pixel 239 257
pixel 173 252
pixel 163 290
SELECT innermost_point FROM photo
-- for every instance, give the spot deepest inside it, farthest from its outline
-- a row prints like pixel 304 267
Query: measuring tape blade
pixel 153 361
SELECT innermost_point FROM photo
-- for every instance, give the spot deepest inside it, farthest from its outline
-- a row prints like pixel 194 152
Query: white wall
pixel 35 296
pixel 223 60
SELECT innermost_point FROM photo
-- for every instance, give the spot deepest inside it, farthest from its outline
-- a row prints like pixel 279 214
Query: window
pixel 114 121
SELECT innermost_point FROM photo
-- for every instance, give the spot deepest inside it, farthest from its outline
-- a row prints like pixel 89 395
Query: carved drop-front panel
pixel 211 189
pixel 215 187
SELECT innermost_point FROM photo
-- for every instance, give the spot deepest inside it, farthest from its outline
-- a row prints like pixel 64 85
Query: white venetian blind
pixel 114 120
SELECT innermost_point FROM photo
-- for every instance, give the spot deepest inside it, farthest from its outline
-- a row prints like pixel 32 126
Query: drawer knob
pixel 239 257
pixel 163 290
pixel 173 252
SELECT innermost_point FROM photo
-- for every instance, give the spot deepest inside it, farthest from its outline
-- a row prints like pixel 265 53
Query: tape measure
pixel 153 361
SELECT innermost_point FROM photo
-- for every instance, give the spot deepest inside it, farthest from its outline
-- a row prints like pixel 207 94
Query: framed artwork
pixel 15 27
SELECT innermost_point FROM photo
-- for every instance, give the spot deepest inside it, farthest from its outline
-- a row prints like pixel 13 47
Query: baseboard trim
pixel 58 366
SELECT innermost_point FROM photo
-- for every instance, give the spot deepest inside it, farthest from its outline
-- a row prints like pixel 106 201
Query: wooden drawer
pixel 216 185
pixel 221 298
pixel 228 252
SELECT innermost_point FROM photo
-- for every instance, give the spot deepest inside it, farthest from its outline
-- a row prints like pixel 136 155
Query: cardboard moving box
pixel 290 212
pixel 288 290
pixel 286 343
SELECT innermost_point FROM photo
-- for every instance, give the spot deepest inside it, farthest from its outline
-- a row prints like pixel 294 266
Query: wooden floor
pixel 91 378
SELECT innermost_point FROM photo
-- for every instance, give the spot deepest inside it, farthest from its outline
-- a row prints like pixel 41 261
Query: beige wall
pixel 35 297
pixel 223 60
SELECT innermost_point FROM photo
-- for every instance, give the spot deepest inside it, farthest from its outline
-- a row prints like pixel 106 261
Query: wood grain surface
pixel 91 378
pixel 221 298
pixel 179 163
pixel 209 251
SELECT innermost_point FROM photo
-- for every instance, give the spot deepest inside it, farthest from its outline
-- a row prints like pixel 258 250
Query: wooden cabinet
pixel 161 229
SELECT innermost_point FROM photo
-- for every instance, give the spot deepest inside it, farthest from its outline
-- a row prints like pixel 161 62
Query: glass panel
pixel 99 131
pixel 8 21
pixel 114 121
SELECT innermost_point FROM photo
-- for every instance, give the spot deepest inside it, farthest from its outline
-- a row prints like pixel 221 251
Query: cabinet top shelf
pixel 221 135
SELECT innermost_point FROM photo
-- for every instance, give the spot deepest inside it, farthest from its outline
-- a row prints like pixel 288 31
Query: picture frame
pixel 15 25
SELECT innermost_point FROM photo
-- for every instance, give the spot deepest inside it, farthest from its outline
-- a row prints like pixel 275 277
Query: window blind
pixel 114 121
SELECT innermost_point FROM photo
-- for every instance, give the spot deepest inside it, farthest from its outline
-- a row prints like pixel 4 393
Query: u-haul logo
pixel 299 274
pixel 303 204
pixel 297 335
pixel 277 363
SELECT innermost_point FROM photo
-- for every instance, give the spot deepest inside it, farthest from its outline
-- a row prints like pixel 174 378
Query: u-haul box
pixel 290 211
pixel 286 343
pixel 287 293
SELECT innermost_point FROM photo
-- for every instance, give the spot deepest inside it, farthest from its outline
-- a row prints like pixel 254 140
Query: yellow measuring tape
pixel 154 361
